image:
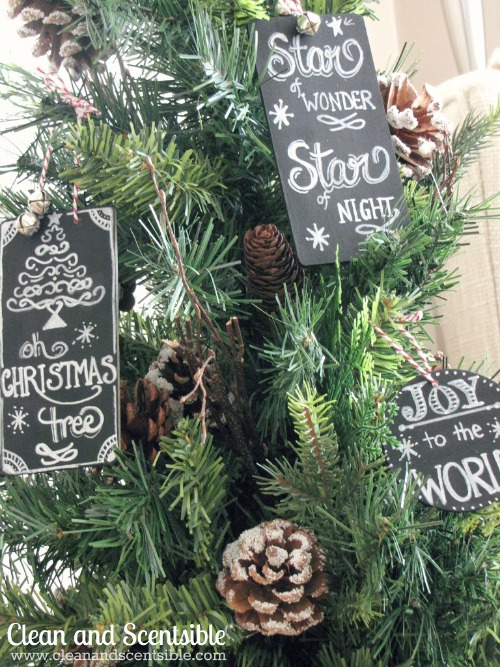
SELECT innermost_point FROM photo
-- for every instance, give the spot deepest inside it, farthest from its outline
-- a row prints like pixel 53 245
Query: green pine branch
pixel 197 485
pixel 112 171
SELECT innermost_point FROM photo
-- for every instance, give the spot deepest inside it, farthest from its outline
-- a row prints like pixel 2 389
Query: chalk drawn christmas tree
pixel 54 279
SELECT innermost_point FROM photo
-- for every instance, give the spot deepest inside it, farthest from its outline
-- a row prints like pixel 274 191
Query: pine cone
pixel 81 656
pixel 273 579
pixel 145 419
pixel 418 128
pixel 61 29
pixel 171 372
pixel 270 263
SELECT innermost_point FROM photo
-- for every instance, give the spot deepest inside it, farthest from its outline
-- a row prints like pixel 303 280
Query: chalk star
pixel 408 449
pixel 86 335
pixel 336 26
pixel 495 429
pixel 282 116
pixel 18 417
pixel 318 237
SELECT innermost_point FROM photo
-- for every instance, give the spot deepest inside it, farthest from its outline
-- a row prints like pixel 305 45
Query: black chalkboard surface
pixel 449 439
pixel 330 135
pixel 59 343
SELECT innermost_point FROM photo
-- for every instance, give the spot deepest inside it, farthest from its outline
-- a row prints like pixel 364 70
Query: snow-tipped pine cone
pixel 171 372
pixel 419 130
pixel 273 579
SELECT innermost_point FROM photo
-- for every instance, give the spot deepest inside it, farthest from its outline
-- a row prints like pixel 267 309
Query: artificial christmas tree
pixel 250 411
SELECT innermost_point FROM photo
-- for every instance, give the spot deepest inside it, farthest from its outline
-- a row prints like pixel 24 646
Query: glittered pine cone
pixel 62 32
pixel 419 130
pixel 273 579
pixel 270 263
pixel 146 418
pixel 171 372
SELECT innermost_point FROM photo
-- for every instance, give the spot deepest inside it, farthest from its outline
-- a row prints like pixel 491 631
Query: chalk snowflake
pixel 495 429
pixel 336 26
pixel 18 420
pixel 86 334
pixel 318 237
pixel 282 115
pixel 408 449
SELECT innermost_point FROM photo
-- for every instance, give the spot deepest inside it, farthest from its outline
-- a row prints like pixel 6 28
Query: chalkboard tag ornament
pixel 59 343
pixel 330 135
pixel 449 439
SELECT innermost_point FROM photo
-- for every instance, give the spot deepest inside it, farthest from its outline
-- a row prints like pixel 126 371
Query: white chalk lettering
pixel 443 399
pixel 371 208
pixel 452 400
pixel 21 381
pixel 420 410
pixel 87 423
pixel 461 432
pixel 438 440
pixel 447 469
pixel 475 476
pixel 342 100
pixel 335 174
pixel 37 348
pixel 469 390
pixel 472 476
pixel 431 487
pixel 342 60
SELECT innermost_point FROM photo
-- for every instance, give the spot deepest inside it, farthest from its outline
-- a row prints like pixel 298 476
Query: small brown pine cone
pixel 419 130
pixel 270 263
pixel 61 30
pixel 145 419
pixel 273 578
pixel 171 372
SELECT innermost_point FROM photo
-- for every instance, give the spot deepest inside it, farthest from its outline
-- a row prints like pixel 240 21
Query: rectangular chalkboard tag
pixel 59 343
pixel 330 135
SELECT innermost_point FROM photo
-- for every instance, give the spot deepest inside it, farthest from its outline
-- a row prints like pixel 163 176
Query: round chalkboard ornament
pixel 449 439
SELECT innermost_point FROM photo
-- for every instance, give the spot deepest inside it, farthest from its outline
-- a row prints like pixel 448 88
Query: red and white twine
pixel 82 109
pixel 289 8
pixel 54 82
pixel 424 368
pixel 46 162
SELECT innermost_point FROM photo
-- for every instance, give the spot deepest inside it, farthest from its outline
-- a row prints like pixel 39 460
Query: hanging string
pixel 54 82
pixel 424 368
pixel 82 109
